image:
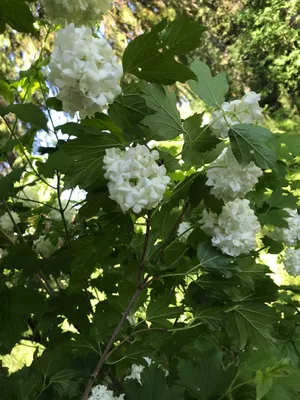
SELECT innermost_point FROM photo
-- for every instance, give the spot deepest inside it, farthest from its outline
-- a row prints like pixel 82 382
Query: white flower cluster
pixel 6 223
pixel 136 181
pixel 85 12
pixel 100 392
pixel 229 179
pixel 45 247
pixel 31 195
pixel 289 236
pixel 69 211
pixel 292 261
pixel 184 231
pixel 234 230
pixel 136 370
pixel 245 111
pixel 85 70
pixel 3 253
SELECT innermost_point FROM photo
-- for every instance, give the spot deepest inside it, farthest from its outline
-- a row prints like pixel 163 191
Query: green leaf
pixel 56 161
pixel 214 261
pixel 251 323
pixel 17 14
pixel 153 387
pixel 202 378
pixel 54 104
pixel 182 35
pixel 159 312
pixel 85 258
pixel 151 55
pixel 166 121
pixel 253 143
pixel 7 182
pixel 263 383
pixel 128 110
pixel 87 152
pixel 292 142
pixel 275 217
pixel 27 113
pixel 196 140
pixel 5 90
pixel 211 90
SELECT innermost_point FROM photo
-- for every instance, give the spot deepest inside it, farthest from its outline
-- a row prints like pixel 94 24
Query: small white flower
pixel 100 392
pixel 3 253
pixel 136 181
pixel 245 111
pixel 82 12
pixel 136 370
pixel 85 70
pixel 229 179
pixel 234 230
pixel 6 223
pixel 31 195
pixel 184 231
pixel 45 247
pixel 69 211
pixel 289 236
pixel 292 262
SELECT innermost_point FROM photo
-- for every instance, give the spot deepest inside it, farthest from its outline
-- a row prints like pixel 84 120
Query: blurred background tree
pixel 258 41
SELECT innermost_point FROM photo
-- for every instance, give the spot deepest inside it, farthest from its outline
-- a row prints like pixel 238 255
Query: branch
pixel 61 210
pixel 40 276
pixel 111 341
pixel 146 241
pixel 174 230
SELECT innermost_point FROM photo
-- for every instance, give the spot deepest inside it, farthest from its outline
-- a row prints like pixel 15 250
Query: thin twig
pixel 25 155
pixel 103 358
pixel 146 241
pixel 61 210
pixel 133 334
pixel 173 231
pixel 40 276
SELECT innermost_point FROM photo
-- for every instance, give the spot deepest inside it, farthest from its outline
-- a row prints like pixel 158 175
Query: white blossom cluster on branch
pixel 245 111
pixel 69 211
pixel 228 179
pixel 32 196
pixel 292 261
pixel 44 246
pixel 136 181
pixel 289 236
pixel 6 223
pixel 183 232
pixel 85 70
pixel 234 230
pixel 100 392
pixel 83 12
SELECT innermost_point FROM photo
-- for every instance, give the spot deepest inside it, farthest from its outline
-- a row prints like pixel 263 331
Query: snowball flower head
pixel 136 370
pixel 85 70
pixel 290 235
pixel 100 392
pixel 3 253
pixel 69 211
pixel 184 231
pixel 228 179
pixel 85 12
pixel 234 230
pixel 292 261
pixel 6 223
pixel 31 195
pixel 244 111
pixel 136 181
pixel 45 247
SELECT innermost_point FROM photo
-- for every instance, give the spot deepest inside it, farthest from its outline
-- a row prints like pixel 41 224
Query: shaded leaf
pixel 28 113
pixel 253 143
